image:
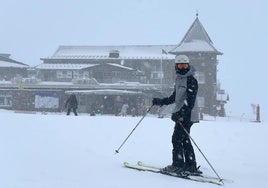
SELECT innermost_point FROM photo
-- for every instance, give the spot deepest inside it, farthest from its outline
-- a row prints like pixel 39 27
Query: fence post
pixel 201 114
pixel 258 113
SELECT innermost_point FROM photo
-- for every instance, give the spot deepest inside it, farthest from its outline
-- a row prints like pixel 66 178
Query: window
pixel 59 74
pixel 69 74
pixel 115 73
pixel 76 74
pixel 156 75
pixel 64 74
pixel 85 74
pixel 200 76
pixel 5 100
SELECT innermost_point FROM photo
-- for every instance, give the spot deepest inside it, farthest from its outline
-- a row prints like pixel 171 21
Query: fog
pixel 34 29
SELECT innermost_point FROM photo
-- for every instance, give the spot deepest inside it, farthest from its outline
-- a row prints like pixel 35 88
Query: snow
pixel 120 66
pixel 125 51
pixel 105 92
pixel 66 66
pixel 10 64
pixel 74 66
pixel 195 45
pixel 59 151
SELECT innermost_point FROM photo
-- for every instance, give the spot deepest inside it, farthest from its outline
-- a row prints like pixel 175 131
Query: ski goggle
pixel 182 65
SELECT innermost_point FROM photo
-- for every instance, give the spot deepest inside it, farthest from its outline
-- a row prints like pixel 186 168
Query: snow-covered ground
pixel 59 151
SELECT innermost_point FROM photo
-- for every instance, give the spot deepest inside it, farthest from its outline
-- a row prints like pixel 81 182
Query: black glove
pixel 157 102
pixel 181 114
pixel 177 116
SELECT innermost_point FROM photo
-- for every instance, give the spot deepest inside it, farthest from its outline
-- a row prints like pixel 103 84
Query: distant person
pixel 184 96
pixel 93 109
pixel 124 110
pixel 71 104
pixel 133 112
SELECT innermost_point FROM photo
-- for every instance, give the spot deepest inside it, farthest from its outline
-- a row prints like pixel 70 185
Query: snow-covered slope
pixel 58 151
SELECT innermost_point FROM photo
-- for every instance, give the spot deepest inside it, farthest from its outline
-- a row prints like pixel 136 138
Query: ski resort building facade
pixel 105 77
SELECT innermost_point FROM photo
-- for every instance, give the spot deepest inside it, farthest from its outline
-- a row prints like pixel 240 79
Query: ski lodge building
pixel 105 77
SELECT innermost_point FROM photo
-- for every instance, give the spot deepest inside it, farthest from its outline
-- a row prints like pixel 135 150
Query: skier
pixel 124 110
pixel 71 103
pixel 184 96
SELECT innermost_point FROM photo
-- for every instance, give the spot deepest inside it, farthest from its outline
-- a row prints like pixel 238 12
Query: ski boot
pixel 193 171
pixel 173 170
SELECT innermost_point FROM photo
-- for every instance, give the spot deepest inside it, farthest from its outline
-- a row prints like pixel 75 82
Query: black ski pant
pixel 183 153
pixel 69 110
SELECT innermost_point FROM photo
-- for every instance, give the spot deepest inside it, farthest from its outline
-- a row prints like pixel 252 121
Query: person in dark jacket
pixel 184 97
pixel 71 104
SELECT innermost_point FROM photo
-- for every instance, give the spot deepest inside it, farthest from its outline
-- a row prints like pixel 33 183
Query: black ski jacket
pixel 191 92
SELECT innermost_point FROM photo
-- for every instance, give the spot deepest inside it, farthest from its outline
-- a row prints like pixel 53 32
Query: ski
pixel 141 168
pixel 153 169
pixel 140 163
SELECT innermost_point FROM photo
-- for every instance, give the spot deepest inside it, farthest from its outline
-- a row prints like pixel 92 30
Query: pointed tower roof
pixel 195 40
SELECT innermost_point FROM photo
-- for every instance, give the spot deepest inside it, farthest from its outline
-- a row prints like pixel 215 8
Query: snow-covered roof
pixel 120 66
pixel 64 66
pixel 6 61
pixel 11 64
pixel 195 45
pixel 123 87
pixel 195 40
pixel 104 92
pixel 73 66
pixel 102 52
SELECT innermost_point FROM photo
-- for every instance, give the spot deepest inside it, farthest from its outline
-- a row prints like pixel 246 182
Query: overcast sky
pixel 33 29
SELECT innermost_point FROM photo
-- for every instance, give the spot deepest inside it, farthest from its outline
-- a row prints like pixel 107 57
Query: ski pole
pixel 220 179
pixel 117 151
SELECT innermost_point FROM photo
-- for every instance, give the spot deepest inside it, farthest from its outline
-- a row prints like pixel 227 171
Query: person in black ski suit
pixel 184 96
pixel 71 103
